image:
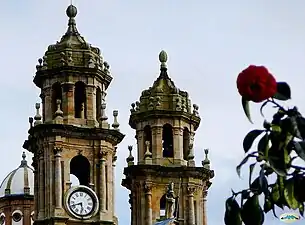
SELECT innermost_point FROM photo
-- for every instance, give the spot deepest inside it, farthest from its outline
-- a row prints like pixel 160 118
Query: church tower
pixel 165 184
pixel 71 135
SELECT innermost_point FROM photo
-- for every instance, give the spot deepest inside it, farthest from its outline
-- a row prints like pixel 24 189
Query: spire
pixel 23 161
pixel 72 30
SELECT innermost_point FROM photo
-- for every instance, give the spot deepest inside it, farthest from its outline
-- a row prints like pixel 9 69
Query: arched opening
pixel 80 100
pixel 2 219
pixel 17 217
pixel 98 103
pixel 167 141
pixel 56 95
pixel 186 143
pixel 80 168
pixel 147 137
pixel 74 180
pixel 162 206
pixel 32 218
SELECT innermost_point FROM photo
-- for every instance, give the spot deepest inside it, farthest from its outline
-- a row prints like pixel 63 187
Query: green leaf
pixel 276 158
pixel 250 138
pixel 259 185
pixel 301 208
pixel 251 168
pixel 252 213
pixel 245 104
pixel 299 148
pixel 275 193
pixel 289 195
pixel 238 168
pixel 233 212
pixel 283 91
pixel 268 205
pixel 263 145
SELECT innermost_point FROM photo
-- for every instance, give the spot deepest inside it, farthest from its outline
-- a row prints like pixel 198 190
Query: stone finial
pixel 163 58
pixel 23 161
pixel 71 11
pixel 195 110
pixel 206 162
pixel 115 124
pixel 130 158
pixel 31 122
pixel 106 67
pixel 132 110
pixel 103 119
pixel 147 154
pixel 58 111
pixel 37 117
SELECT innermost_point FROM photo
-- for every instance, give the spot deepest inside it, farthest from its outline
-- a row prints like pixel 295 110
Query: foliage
pixel 278 141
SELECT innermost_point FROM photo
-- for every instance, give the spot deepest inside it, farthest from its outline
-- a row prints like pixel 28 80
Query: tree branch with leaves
pixel 281 141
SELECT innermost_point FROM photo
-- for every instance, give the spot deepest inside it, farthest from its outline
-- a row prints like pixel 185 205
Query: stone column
pixel 68 101
pixel 156 144
pixel 113 182
pixel 26 215
pixel 47 107
pixel 148 208
pixel 191 214
pixel 178 143
pixel 36 174
pixel 58 178
pixel 141 146
pixel 204 200
pixel 90 104
pixel 41 186
pixel 103 182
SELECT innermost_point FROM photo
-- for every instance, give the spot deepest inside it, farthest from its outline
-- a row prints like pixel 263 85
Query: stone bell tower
pixel 165 184
pixel 73 136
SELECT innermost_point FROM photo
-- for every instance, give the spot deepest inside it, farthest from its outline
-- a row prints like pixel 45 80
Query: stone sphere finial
pixel 71 11
pixel 163 57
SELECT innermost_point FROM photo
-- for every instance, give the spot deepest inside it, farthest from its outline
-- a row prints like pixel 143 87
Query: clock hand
pixel 77 204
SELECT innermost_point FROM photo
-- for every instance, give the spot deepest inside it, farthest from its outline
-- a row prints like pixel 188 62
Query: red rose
pixel 256 84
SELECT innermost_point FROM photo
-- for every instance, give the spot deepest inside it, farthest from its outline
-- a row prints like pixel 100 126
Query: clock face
pixel 81 203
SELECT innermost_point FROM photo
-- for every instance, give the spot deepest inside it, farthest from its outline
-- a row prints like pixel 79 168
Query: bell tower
pixel 165 185
pixel 70 134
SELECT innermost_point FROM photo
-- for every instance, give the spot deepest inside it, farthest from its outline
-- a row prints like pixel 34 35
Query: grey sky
pixel 207 44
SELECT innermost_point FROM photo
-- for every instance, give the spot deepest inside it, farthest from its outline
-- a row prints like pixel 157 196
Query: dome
pixel 18 182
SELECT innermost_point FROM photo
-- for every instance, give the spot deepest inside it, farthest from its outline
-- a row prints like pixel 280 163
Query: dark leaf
pixel 289 195
pixel 263 182
pixel 245 194
pixel 283 91
pixel 268 205
pixel 299 148
pixel 252 213
pixel 250 138
pixel 245 104
pixel 268 171
pixel 263 145
pixel 299 184
pixel 262 107
pixel 301 125
pixel 251 168
pixel 276 160
pixel 233 212
pixel 294 128
pixel 301 208
pixel 259 185
pixel 238 168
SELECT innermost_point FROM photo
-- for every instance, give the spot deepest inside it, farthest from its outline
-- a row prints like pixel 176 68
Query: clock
pixel 81 202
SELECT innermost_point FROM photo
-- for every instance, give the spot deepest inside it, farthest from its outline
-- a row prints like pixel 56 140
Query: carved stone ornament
pixel 147 187
pixel 57 150
pixel 191 190
pixel 103 155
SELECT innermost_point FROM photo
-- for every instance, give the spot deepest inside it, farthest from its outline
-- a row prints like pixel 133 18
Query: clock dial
pixel 81 203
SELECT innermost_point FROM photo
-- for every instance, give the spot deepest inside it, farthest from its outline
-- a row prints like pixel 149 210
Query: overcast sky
pixel 207 45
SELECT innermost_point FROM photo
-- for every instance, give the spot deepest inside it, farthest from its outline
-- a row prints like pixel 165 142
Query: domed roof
pixel 72 51
pixel 164 99
pixel 18 182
